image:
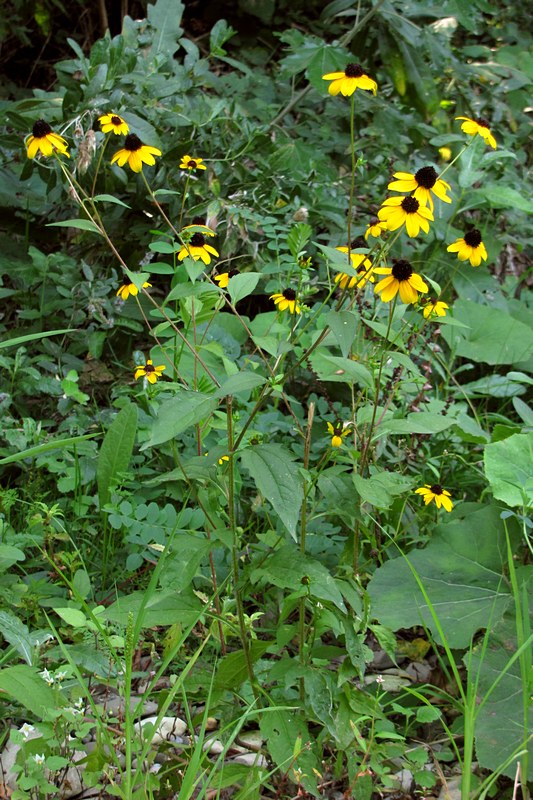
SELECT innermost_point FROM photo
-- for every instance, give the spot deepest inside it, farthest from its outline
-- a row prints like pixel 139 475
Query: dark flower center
pixel 354 71
pixel 198 240
pixel 338 429
pixel 289 294
pixel 149 368
pixel 116 120
pixel 436 488
pixel 132 143
pixel 192 164
pixel 426 177
pixel 41 128
pixel 198 221
pixel 402 270
pixel 473 238
pixel 410 205
pixel 483 122
pixel 359 241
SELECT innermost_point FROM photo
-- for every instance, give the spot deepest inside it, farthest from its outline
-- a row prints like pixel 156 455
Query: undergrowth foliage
pixel 265 411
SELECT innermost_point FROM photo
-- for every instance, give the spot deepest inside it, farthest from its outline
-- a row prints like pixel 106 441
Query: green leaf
pixel 241 382
pixel 291 746
pixel 82 224
pixel 17 634
pixel 461 569
pixel 181 412
pixel 298 237
pixel 340 370
pixel 344 326
pixel 381 489
pixel 241 286
pixel 57 444
pixel 165 607
pixel 288 568
pixel 26 686
pixel 115 451
pixel 9 555
pixel 72 616
pixel 108 198
pixel 277 478
pixel 232 670
pixel 493 336
pixel 509 469
pixel 506 197
pixel 416 422
pixel 165 17
pixel 32 337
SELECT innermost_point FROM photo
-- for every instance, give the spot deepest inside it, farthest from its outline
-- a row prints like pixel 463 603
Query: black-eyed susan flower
pixel 149 372
pixel 112 123
pixel 421 185
pixel 445 153
pixel 338 431
pixel 478 126
pixel 129 288
pixel 223 278
pixel 44 140
pixel 286 300
pixel 197 248
pixel 353 77
pixel 470 247
pixel 398 211
pixel 192 164
pixel 435 308
pixel 436 493
pixel 375 228
pixel 135 154
pixel 400 278
pixel 363 267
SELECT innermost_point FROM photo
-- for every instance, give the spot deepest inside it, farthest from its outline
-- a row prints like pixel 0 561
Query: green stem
pixel 303 532
pixel 183 200
pixel 352 184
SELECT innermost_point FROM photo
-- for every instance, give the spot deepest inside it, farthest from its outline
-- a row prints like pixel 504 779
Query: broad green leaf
pixel 23 684
pixel 108 198
pixel 277 478
pixel 165 17
pixel 9 555
pixel 381 489
pixel 340 370
pixel 32 337
pixel 137 278
pixel 288 568
pixel 232 670
pixel 181 412
pixel 416 422
pixel 57 444
pixel 462 572
pixel 344 325
pixel 82 224
pixel 291 746
pixel 493 336
pixel 241 286
pixel 72 616
pixel 298 237
pixel 115 451
pixel 509 469
pixel 241 382
pixel 165 607
pixel 17 634
pixel 506 197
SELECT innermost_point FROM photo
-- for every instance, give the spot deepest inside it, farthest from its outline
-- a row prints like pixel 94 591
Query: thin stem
pixel 182 209
pixel 352 184
pixel 303 531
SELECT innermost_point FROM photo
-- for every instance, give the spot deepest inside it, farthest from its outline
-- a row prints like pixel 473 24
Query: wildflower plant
pixel 248 313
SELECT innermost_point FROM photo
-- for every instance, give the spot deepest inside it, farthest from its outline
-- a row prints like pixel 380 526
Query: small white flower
pixel 380 679
pixel 47 676
pixel 60 676
pixel 79 702
pixel 39 759
pixel 26 729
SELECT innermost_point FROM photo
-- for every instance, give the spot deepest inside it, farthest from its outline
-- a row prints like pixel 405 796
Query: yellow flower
pixel 43 139
pixel 402 279
pixel 135 153
pixel 375 229
pixel 479 126
pixel 421 184
pixel 363 267
pixel 338 431
pixel 113 123
pixel 469 247
pixel 197 248
pixel 223 278
pixel 129 288
pixel 397 211
pixel 348 81
pixel 286 300
pixel 222 459
pixel 192 163
pixel 149 372
pixel 445 153
pixel 435 308
pixel 436 493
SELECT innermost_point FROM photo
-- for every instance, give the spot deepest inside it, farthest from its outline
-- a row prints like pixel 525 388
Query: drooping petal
pixel 407 292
